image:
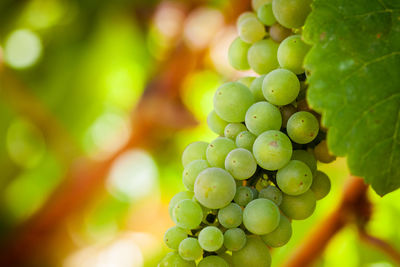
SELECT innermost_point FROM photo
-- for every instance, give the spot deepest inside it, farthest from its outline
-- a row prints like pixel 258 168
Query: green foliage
pixel 354 82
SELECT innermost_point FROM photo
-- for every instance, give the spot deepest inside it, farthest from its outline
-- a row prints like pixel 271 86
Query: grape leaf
pixel 354 81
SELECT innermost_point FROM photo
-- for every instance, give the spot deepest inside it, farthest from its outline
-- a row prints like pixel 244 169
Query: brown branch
pixel 380 244
pixel 309 250
pixel 158 115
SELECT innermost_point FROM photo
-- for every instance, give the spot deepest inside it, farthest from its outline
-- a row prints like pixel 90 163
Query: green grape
pixel 178 197
pixel 215 123
pixel 190 250
pixel 281 235
pixel 281 87
pixel 187 214
pixel 234 239
pixel 291 53
pixel 211 238
pixel 217 151
pixel 230 216
pixel 243 195
pixel 262 56
pixel 261 216
pixel 233 129
pixel 272 193
pixel 256 4
pixel 191 171
pixel 286 112
pixel 278 33
pixel 243 16
pixel 213 261
pixel 298 207
pixel 256 88
pixel 247 80
pixel 195 150
pixel 214 188
pixel 291 13
pixel 240 163
pixel 306 157
pixel 227 257
pixel 255 192
pixel 173 259
pixel 322 153
pixel 295 178
pixel 321 185
pixel 265 15
pixel 173 236
pixel 251 30
pixel 245 140
pixel 231 101
pixel 263 116
pixel 254 253
pixel 272 150
pixel 302 127
pixel 237 54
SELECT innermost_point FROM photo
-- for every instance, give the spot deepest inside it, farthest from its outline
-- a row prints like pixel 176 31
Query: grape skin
pixel 262 56
pixel 263 116
pixel 174 236
pixel 213 261
pixel 211 238
pixel 254 253
pixel 215 123
pixel 230 216
pixel 195 150
pixel 240 163
pixel 187 214
pixel 261 216
pixel 281 235
pixel 295 178
pixel 298 207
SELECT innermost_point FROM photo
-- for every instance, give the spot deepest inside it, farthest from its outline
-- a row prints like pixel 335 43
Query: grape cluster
pixel 245 187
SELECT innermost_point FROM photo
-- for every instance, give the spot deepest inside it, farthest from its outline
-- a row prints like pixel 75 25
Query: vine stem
pixel 312 247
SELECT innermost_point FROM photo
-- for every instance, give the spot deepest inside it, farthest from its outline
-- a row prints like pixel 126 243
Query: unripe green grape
pixel 295 178
pixel 255 192
pixel 278 33
pixel 291 53
pixel 254 253
pixel 233 129
pixel 272 150
pixel 262 56
pixel 240 163
pixel 195 150
pixel 243 195
pixel 231 101
pixel 211 238
pixel 215 123
pixel 245 140
pixel 265 15
pixel 173 259
pixel 291 13
pixel 187 214
pixel 251 30
pixel 281 87
pixel 237 54
pixel 234 239
pixel 298 207
pixel 178 197
pixel 322 153
pixel 247 80
pixel 227 257
pixel 230 216
pixel 263 116
pixel 174 236
pixel 302 127
pixel 214 188
pixel 256 88
pixel 213 261
pixel 217 151
pixel 281 235
pixel 191 171
pixel 272 193
pixel 306 157
pixel 243 16
pixel 321 185
pixel 287 111
pixel 189 249
pixel 261 216
pixel 256 4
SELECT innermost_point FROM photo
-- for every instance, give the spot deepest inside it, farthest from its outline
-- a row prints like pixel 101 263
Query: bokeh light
pixel 22 48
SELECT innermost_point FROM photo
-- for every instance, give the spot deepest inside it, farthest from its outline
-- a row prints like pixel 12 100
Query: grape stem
pixel 354 207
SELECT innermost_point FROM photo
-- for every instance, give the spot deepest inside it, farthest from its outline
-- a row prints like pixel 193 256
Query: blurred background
pixel 97 101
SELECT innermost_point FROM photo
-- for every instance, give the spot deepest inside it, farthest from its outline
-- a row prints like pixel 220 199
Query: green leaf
pixel 354 82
